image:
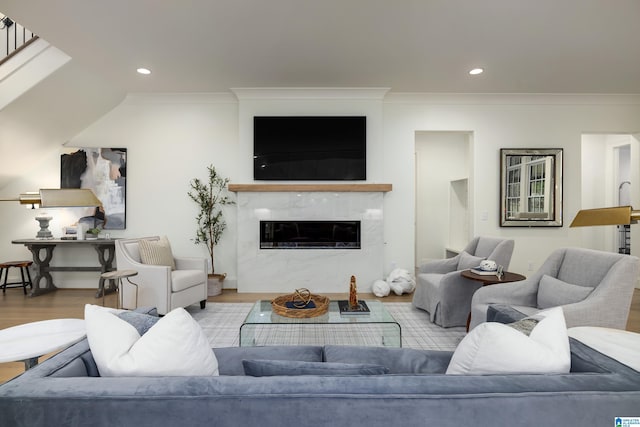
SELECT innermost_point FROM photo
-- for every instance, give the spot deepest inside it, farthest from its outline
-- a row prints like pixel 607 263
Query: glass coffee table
pixel 264 327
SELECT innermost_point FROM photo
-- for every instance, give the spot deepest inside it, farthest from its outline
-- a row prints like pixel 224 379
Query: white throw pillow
pixel 174 346
pixel 496 348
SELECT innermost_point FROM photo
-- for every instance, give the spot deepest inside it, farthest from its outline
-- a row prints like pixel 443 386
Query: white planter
pixel 214 284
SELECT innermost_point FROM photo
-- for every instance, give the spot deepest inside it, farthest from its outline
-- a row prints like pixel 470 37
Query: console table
pixel 42 250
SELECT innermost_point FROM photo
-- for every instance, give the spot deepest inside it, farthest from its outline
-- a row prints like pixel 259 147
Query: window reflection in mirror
pixel 531 187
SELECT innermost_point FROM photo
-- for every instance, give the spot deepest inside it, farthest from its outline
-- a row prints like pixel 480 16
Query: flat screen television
pixel 299 148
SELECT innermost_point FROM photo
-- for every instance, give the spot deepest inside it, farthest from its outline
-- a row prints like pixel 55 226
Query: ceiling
pixel 525 46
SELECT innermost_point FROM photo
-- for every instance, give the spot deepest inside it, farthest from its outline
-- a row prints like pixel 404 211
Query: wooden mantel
pixel 310 187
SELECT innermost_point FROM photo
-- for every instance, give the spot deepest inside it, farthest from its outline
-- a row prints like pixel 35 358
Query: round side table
pixel 118 275
pixel 490 279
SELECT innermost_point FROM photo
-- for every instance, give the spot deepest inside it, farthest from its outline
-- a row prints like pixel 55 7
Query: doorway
pixel 616 157
pixel 443 180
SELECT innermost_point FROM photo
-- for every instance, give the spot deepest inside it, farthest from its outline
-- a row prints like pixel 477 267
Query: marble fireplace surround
pixel 319 270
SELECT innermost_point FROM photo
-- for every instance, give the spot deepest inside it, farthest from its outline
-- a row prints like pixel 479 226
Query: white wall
pixel 171 139
pixel 497 121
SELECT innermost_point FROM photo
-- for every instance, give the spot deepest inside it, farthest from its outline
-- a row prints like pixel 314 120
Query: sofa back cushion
pixel 270 368
pixel 230 358
pixel 397 360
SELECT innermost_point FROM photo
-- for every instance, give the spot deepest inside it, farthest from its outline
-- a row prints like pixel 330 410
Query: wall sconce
pixel 619 215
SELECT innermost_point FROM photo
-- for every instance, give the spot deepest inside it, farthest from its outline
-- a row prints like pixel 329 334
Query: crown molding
pixel 356 93
pixel 180 98
pixel 512 99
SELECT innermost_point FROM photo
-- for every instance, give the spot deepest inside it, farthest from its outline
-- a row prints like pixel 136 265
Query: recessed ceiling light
pixel 144 71
pixel 476 71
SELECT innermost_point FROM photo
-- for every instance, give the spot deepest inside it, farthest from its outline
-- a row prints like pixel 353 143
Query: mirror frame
pixel 555 198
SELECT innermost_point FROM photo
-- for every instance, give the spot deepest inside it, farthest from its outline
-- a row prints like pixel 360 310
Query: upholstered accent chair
pixel 594 288
pixel 161 286
pixel 444 293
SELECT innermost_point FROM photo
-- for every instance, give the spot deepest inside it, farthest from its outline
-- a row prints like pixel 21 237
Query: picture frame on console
pixel 531 187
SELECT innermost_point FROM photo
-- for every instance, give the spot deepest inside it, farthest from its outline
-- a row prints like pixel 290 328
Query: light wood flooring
pixel 16 309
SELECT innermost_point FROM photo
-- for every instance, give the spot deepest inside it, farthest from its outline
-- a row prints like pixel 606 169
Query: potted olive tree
pixel 210 196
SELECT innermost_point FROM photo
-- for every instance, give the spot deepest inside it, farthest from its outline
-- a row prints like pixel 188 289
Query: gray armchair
pixel 594 288
pixel 444 293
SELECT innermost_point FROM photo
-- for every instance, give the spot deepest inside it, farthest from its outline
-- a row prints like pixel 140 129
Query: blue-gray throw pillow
pixel 266 368
pixel 553 292
pixel 468 261
pixel 142 322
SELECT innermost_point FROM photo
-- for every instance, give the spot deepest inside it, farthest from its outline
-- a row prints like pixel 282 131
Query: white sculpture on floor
pixel 400 281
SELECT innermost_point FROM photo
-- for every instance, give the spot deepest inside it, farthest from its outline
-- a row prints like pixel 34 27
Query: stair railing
pixel 13 38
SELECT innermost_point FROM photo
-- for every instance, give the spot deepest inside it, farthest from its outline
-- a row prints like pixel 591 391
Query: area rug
pixel 221 323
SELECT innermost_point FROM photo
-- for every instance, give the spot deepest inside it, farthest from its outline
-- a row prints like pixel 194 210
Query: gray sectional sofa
pixel 66 390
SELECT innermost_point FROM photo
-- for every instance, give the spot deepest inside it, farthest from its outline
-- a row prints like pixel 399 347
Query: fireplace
pixel 309 234
pixel 326 234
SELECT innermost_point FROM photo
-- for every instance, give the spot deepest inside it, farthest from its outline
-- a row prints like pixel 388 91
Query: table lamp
pixel 56 198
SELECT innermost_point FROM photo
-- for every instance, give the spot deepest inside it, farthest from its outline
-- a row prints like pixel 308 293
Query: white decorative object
pixel 174 346
pixel 496 348
pixel 401 281
pixel 488 265
pixel 380 288
pixel 81 229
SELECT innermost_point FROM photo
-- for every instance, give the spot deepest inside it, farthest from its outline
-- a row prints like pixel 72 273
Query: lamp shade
pixel 618 215
pixel 61 198
pixel 68 197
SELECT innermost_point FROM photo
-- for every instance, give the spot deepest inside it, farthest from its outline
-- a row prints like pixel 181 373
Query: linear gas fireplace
pixel 309 234
pixel 355 212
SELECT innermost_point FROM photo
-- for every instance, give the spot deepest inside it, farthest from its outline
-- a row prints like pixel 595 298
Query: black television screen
pixel 301 148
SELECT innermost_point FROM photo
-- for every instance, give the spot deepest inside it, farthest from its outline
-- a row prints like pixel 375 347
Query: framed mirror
pixel 531 187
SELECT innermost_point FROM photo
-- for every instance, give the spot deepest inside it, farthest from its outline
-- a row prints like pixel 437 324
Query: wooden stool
pixel 118 275
pixel 24 268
